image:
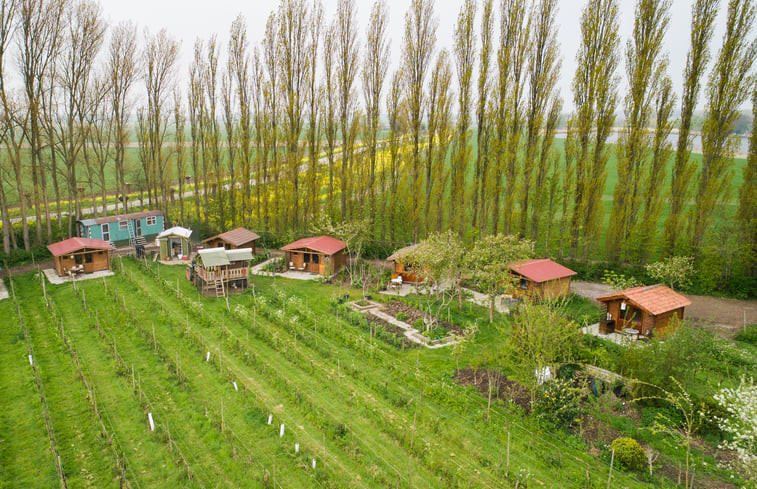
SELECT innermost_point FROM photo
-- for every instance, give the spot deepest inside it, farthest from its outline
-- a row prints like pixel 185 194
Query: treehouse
pixel 123 230
pixel 80 255
pixel 401 270
pixel 648 310
pixel 320 254
pixel 541 279
pixel 232 240
pixel 174 243
pixel 218 271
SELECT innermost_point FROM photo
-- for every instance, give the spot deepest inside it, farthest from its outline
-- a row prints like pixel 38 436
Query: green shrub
pixel 419 324
pixel 401 316
pixel 748 336
pixel 629 453
pixel 557 402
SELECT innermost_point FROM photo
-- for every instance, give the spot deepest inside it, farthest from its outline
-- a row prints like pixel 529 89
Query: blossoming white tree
pixel 741 405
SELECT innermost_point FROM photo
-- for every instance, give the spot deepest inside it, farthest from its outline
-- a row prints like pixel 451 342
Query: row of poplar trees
pixel 311 121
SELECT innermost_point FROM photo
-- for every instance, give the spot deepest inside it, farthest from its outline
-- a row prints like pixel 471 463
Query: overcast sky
pixel 187 20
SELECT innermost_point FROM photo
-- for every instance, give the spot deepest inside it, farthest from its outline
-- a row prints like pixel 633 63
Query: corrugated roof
pixel 213 257
pixel 240 254
pixel 236 237
pixel 401 252
pixel 322 244
pixel 542 270
pixel 72 245
pixel 176 231
pixel 121 217
pixel 655 299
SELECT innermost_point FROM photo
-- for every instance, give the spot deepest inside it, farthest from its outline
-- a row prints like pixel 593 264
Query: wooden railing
pixel 228 274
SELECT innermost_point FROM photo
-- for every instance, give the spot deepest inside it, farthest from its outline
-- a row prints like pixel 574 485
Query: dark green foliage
pixel 558 403
pixel 748 336
pixel 628 453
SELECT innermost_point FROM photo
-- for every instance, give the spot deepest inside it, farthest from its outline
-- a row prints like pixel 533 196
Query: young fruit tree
pixel 675 271
pixel 488 261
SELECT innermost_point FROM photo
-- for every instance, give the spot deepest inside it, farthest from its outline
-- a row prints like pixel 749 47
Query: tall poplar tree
pixel 465 53
pixel 314 97
pixel 543 74
pixel 645 68
pixel 419 43
pixel 595 98
pixel 347 63
pixel 375 66
pixel 747 213
pixel 731 82
pixel 703 15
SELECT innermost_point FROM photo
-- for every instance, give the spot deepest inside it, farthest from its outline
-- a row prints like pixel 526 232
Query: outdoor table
pixel 630 332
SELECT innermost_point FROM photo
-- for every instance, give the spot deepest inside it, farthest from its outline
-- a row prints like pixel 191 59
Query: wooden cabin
pixel 123 229
pixel 647 309
pixel 541 279
pixel 234 239
pixel 174 243
pixel 218 271
pixel 80 255
pixel 320 254
pixel 404 270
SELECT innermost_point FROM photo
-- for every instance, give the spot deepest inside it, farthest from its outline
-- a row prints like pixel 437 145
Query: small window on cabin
pixel 314 258
pixel 523 284
pixel 106 232
pixel 78 259
pixel 306 257
pixel 123 225
pixel 152 220
pixel 408 267
pixel 88 258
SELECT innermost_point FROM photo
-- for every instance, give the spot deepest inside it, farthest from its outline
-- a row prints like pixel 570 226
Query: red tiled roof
pixel 655 299
pixel 542 270
pixel 322 244
pixel 126 217
pixel 237 237
pixel 71 245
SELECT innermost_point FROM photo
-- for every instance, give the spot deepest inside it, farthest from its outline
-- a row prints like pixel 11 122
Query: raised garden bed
pixel 395 307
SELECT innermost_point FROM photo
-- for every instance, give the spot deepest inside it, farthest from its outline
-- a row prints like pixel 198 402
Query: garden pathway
pixel 55 279
pixel 3 290
pixel 294 274
pixel 411 333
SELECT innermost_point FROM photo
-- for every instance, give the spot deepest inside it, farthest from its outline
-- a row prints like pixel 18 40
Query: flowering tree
pixel 489 259
pixel 675 271
pixel 741 405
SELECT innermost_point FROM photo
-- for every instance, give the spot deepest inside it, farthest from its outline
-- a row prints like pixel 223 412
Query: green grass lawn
pixel 370 413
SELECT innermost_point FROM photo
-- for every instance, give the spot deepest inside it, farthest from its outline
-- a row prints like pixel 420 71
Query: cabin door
pixel 138 227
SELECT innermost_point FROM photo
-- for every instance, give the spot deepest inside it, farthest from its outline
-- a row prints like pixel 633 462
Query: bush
pixel 557 402
pixel 401 316
pixel 418 324
pixel 629 453
pixel 748 336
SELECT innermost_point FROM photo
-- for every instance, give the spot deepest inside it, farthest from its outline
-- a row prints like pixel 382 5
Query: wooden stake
pixel 154 343
pixel 507 467
pixel 612 460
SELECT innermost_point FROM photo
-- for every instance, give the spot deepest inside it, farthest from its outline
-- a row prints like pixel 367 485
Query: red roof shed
pixel 542 278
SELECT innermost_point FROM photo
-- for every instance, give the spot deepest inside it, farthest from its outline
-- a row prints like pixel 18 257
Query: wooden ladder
pixel 220 292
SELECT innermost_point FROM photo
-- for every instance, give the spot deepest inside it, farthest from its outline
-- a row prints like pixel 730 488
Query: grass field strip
pixel 86 378
pixel 387 421
pixel 40 388
pixel 151 401
pixel 264 367
pixel 302 336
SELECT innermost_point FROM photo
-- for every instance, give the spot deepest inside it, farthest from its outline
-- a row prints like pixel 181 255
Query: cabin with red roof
pixel 320 254
pixel 233 240
pixel 542 279
pixel 647 309
pixel 402 269
pixel 80 255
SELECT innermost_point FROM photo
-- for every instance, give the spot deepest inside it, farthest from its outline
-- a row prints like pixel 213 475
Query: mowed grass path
pixel 376 415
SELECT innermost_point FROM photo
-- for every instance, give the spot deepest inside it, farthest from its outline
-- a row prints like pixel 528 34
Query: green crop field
pixel 366 412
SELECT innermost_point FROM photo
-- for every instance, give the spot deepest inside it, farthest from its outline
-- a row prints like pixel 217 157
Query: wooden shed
pixel 320 254
pixel 542 279
pixel 218 271
pixel 80 255
pixel 234 239
pixel 647 309
pixel 174 243
pixel 401 269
